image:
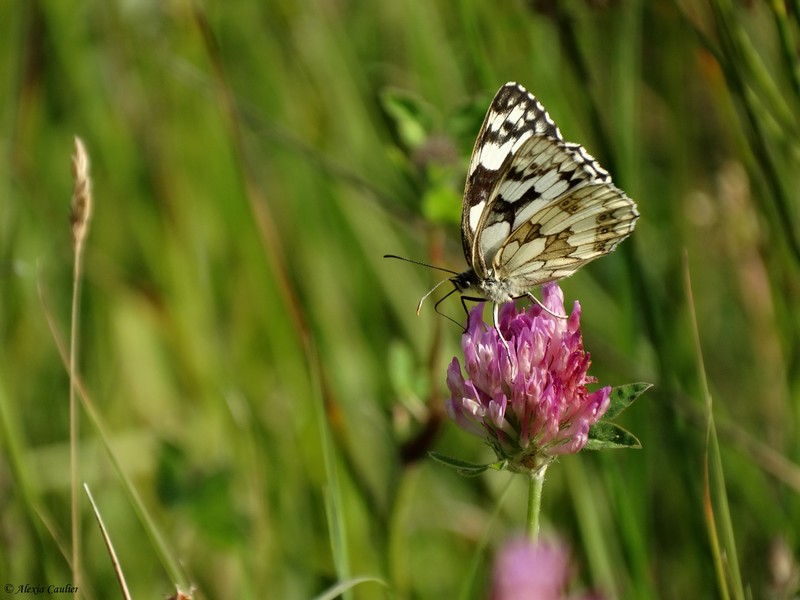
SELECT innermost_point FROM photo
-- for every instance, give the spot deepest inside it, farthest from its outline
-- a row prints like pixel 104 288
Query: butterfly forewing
pixel 514 117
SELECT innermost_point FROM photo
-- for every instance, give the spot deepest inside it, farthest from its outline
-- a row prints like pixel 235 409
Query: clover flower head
pixel 526 394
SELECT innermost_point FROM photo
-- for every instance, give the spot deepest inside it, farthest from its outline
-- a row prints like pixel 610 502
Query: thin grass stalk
pixel 471 576
pixel 398 569
pixel 95 420
pixel 332 428
pixel 713 535
pixel 708 504
pixel 601 549
pixel 273 250
pixel 734 57
pixel 24 488
pixel 267 229
pixel 641 289
pixel 726 561
pixel 109 546
pixel 788 45
pixel 333 493
pixel 343 588
pixel 767 97
pixel 729 59
pixel 80 216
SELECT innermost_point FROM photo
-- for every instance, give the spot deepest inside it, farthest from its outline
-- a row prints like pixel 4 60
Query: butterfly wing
pixel 558 210
pixel 514 117
pixel 552 239
pixel 536 208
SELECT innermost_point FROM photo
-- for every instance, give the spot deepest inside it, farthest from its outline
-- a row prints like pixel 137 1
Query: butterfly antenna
pixel 419 262
pixel 433 289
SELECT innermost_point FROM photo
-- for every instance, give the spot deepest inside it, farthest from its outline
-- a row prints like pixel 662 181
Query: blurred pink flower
pixel 525 570
pixel 530 401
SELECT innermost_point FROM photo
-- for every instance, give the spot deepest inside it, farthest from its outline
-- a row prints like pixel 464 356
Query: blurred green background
pixel 264 383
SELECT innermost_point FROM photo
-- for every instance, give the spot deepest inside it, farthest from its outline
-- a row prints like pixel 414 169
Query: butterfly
pixel 535 208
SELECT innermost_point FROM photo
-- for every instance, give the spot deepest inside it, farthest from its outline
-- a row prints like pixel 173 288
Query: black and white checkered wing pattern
pixel 514 117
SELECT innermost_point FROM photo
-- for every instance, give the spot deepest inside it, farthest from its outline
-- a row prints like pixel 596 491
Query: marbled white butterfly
pixel 536 208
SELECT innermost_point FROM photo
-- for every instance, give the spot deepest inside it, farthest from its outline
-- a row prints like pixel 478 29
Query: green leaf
pixel 467 120
pixel 623 396
pixel 408 381
pixel 441 204
pixel 411 117
pixel 610 436
pixel 467 469
pixel 340 588
pixel 204 492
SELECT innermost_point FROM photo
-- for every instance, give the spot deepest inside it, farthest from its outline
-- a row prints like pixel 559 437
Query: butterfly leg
pixel 436 308
pixel 535 300
pixel 466 310
pixel 496 317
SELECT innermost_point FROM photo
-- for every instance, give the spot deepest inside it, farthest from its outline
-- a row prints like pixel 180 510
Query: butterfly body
pixel 536 208
pixel 490 287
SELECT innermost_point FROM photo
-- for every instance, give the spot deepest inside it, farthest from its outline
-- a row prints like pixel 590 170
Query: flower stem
pixel 535 502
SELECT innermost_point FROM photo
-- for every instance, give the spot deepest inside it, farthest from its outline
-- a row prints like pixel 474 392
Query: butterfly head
pixel 475 287
pixel 465 281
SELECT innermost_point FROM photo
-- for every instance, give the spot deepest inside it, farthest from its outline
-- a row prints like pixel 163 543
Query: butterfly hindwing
pixel 563 236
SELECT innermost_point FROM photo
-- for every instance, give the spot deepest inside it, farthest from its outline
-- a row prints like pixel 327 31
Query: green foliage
pixel 264 397
pixel 609 436
pixel 463 467
pixel 623 396
pixel 413 120
pixel 605 435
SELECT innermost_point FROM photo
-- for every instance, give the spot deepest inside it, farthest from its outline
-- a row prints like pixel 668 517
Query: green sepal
pixel 467 469
pixel 610 436
pixel 623 396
